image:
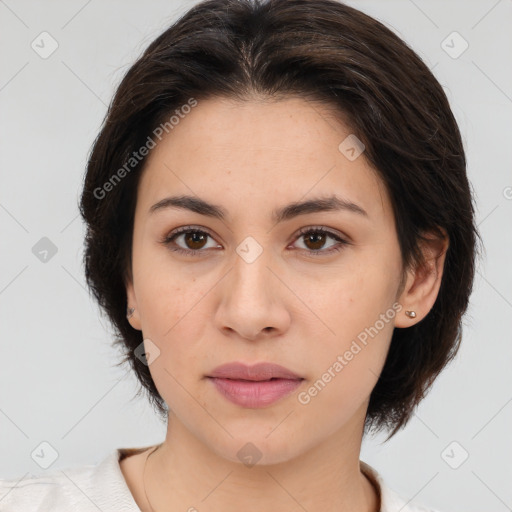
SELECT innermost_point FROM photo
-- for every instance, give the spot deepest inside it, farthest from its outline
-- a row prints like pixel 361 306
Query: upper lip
pixel 256 372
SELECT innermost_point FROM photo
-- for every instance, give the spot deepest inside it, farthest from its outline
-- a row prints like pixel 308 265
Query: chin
pixel 260 449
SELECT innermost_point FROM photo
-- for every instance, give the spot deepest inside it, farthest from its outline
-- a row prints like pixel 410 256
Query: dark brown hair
pixel 319 50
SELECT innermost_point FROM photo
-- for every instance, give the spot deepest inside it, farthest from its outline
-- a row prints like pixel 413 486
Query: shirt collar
pixel 109 475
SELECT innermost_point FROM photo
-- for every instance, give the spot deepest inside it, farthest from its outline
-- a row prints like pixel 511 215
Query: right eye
pixel 193 238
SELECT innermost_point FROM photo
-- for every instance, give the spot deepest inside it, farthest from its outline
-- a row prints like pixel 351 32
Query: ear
pixel 423 281
pixel 134 319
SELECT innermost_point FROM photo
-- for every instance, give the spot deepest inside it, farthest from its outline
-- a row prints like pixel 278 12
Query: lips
pixel 254 386
pixel 257 372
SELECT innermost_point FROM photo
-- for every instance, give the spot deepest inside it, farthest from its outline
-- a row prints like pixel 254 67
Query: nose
pixel 253 299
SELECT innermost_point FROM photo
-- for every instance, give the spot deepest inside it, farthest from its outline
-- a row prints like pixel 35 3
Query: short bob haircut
pixel 318 50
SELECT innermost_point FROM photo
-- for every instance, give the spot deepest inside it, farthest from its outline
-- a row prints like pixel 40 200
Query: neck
pixel 183 474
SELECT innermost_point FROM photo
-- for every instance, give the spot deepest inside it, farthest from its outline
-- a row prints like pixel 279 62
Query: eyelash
pixel 168 239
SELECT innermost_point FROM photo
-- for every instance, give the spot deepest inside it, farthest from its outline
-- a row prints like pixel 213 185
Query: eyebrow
pixel 290 211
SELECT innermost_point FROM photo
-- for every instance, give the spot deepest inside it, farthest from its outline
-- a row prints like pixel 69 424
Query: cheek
pixel 357 318
pixel 351 296
pixel 165 293
pixel 346 373
pixel 171 311
pixel 173 316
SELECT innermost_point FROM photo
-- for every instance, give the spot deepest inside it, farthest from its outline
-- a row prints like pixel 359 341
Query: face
pixel 312 289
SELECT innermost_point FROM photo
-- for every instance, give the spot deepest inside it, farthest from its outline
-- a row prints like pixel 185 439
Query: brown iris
pixel 194 237
pixel 317 239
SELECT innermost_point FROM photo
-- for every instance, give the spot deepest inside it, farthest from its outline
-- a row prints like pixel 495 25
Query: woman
pixel 280 227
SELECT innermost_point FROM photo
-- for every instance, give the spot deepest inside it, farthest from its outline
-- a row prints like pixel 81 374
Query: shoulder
pixel 81 489
pixel 50 491
pixel 390 500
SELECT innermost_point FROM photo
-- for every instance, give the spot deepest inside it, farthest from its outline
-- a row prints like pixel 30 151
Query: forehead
pixel 260 151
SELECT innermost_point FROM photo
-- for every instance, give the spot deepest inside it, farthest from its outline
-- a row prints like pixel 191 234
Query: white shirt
pixel 102 487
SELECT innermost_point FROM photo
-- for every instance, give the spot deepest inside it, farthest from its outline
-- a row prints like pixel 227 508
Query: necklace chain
pixel 144 477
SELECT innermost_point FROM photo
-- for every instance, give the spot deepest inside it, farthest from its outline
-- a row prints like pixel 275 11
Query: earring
pixel 411 314
pixel 129 312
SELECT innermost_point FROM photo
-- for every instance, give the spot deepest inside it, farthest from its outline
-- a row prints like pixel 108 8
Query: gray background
pixel 58 379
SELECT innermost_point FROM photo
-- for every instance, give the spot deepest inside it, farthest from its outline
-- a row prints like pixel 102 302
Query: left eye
pixel 317 236
pixel 195 240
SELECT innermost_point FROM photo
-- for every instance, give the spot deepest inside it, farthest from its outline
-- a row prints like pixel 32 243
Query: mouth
pixel 256 372
pixel 254 386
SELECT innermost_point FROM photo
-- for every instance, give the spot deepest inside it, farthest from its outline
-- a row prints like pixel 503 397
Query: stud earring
pixel 411 314
pixel 129 312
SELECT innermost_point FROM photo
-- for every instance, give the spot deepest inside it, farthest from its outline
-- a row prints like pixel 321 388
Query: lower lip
pixel 255 394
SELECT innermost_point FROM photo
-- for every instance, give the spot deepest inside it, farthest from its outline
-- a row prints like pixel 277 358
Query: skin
pixel 289 306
